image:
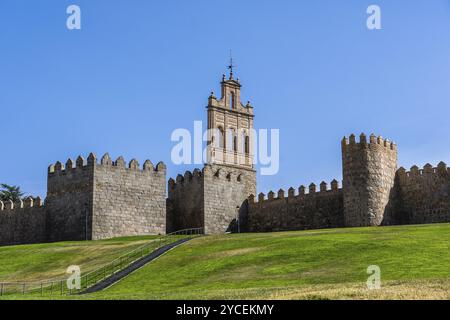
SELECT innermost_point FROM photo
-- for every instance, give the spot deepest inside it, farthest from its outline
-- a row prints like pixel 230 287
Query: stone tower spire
pixel 230 125
pixel 215 198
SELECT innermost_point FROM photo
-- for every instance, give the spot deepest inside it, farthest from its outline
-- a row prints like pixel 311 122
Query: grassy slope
pixel 414 261
pixel 49 261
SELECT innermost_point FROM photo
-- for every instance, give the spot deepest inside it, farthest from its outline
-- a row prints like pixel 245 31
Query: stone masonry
pixel 69 201
pixel 214 197
pixel 369 171
pixel 421 195
pixel 374 193
pixel 106 199
pixel 128 201
pixel 296 211
pixel 22 222
pixel 226 190
pixel 211 199
pixel 92 200
pixel 87 200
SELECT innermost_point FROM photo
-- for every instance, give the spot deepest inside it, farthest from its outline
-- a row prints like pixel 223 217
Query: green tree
pixel 8 192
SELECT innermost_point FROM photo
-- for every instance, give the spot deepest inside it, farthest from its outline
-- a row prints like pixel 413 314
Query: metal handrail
pixel 99 274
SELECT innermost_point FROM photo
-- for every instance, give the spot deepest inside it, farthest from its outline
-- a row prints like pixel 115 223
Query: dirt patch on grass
pixel 235 252
pixel 411 290
pixel 407 290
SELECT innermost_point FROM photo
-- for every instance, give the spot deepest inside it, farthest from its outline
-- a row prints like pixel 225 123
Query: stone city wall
pixel 226 189
pixel 423 195
pixel 22 222
pixel 186 200
pixel 128 200
pixel 313 210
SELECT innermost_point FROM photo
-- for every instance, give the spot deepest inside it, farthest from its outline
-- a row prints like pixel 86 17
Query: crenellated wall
pixel 368 178
pixel 211 198
pixel 422 195
pixel 128 200
pixel 321 208
pixel 22 222
pixel 90 200
pixel 367 195
pixel 186 201
pixel 226 191
pixel 69 202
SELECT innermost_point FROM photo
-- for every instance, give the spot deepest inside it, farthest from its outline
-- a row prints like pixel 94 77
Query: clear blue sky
pixel 139 69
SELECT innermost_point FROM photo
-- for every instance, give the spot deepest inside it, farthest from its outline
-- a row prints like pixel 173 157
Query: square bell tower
pixel 215 198
pixel 230 127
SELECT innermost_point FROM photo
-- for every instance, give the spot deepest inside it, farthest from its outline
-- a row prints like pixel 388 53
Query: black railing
pixel 61 286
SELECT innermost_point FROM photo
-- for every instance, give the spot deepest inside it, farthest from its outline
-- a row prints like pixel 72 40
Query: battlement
pixel 198 175
pixel 101 198
pixel 22 222
pixel 312 192
pixel 425 172
pixel 80 163
pixel 133 165
pixel 106 161
pixel 369 167
pixel 29 202
pixel 185 198
pixel 317 208
pixel 185 180
pixel 373 141
pixel 422 195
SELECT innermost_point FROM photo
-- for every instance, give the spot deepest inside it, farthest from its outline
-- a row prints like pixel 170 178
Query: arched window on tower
pixel 247 145
pixel 231 142
pixel 220 138
pixel 232 100
pixel 235 144
pixel 241 140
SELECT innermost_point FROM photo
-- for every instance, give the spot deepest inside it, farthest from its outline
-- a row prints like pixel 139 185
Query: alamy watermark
pixel 73 22
pixel 74 280
pixel 374 280
pixel 374 20
pixel 242 145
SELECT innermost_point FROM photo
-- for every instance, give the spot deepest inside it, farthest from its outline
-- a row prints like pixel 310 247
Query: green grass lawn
pixel 39 262
pixel 320 264
pixel 284 264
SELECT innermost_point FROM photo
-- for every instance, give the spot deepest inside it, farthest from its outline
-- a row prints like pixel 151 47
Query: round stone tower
pixel 368 179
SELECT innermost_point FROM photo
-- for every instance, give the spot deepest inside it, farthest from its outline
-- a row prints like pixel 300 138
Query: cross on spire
pixel 231 66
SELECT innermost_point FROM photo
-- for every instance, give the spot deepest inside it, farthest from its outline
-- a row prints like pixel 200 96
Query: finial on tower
pixel 231 66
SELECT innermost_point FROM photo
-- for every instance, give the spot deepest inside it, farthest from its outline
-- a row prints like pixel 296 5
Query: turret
pixel 369 168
